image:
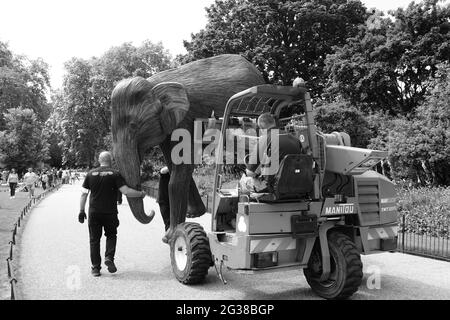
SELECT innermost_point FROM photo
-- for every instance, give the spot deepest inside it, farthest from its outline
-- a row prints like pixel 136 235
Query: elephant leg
pixel 178 197
pixel 196 207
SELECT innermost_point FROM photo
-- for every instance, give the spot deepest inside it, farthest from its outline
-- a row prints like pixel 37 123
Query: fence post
pixel 403 233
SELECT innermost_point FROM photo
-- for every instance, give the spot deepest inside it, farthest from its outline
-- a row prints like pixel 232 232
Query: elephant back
pixel 210 82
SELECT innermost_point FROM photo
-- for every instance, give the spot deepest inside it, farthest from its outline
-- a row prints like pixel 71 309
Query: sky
pixel 57 30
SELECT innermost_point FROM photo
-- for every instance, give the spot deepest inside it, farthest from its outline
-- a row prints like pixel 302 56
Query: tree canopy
pixel 387 65
pixel 21 143
pixel 23 84
pixel 82 108
pixel 284 39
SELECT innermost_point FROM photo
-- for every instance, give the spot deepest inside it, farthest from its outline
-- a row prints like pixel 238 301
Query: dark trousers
pixel 165 213
pixel 12 188
pixel 97 222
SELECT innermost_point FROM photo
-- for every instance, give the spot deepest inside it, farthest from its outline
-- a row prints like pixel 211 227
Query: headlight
pixel 241 225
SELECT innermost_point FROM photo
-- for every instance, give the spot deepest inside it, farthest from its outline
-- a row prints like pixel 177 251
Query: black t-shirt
pixel 103 182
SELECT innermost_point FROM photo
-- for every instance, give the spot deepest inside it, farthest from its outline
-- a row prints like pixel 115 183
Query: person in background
pixel 55 176
pixel 103 184
pixel 254 181
pixel 73 177
pixel 163 197
pixel 50 178
pixel 30 178
pixel 119 197
pixel 13 180
pixel 4 176
pixel 44 180
pixel 60 174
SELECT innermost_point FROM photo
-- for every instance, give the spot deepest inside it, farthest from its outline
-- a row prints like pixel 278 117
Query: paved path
pixel 54 264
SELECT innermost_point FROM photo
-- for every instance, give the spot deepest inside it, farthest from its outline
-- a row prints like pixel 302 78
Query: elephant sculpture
pixel 145 112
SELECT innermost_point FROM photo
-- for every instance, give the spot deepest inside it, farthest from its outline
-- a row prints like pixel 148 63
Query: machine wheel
pixel 346 268
pixel 190 254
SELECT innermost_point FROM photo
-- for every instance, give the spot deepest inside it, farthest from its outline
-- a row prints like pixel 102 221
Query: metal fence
pixel 424 238
pixel 153 193
pixel 15 295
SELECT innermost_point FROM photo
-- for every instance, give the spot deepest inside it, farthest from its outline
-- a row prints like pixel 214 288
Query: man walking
pixel 103 184
pixel 30 178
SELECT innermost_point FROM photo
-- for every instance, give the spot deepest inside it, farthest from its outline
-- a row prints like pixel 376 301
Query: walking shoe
pixel 95 271
pixel 111 266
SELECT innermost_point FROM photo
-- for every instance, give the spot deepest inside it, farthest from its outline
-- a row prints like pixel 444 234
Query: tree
pixel 386 66
pixel 22 143
pixel 284 39
pixel 419 146
pixel 23 83
pixel 82 108
pixel 342 117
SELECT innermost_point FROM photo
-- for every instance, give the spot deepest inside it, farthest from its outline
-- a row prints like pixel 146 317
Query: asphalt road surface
pixel 54 264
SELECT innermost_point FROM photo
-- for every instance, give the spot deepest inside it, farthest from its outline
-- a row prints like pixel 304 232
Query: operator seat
pixel 293 181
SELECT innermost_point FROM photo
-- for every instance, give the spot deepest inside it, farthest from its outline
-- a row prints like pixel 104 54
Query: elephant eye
pixel 133 126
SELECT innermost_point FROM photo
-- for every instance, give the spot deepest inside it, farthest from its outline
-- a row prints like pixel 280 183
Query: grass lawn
pixel 9 212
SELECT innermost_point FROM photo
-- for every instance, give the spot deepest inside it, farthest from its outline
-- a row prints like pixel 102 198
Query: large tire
pixel 190 254
pixel 346 268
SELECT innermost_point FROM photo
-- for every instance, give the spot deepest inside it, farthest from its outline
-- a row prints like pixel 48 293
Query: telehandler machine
pixel 326 208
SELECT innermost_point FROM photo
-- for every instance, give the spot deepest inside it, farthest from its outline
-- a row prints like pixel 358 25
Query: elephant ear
pixel 174 104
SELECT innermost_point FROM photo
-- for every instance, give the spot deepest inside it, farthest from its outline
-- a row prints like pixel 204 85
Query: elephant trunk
pixel 128 161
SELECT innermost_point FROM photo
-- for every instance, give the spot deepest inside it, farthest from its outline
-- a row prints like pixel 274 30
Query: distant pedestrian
pixel 13 180
pixel 50 178
pixel 30 178
pixel 60 174
pixel 103 183
pixel 44 180
pixel 4 175
pixel 72 177
pixel 65 177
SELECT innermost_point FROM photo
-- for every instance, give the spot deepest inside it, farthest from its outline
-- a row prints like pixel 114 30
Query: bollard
pixel 8 266
pixel 13 282
pixel 403 233
pixel 11 248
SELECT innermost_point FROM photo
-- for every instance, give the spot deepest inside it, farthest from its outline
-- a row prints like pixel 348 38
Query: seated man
pixel 265 152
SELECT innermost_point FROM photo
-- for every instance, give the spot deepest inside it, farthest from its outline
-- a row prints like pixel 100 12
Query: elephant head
pixel 142 116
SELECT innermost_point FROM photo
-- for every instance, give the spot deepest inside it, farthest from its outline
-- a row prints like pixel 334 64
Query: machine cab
pixel 241 219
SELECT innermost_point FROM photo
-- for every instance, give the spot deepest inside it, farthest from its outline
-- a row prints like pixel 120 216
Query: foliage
pixel 341 117
pixel 419 146
pixel 284 39
pixel 387 65
pixel 23 84
pixel 82 108
pixel 426 210
pixel 22 143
